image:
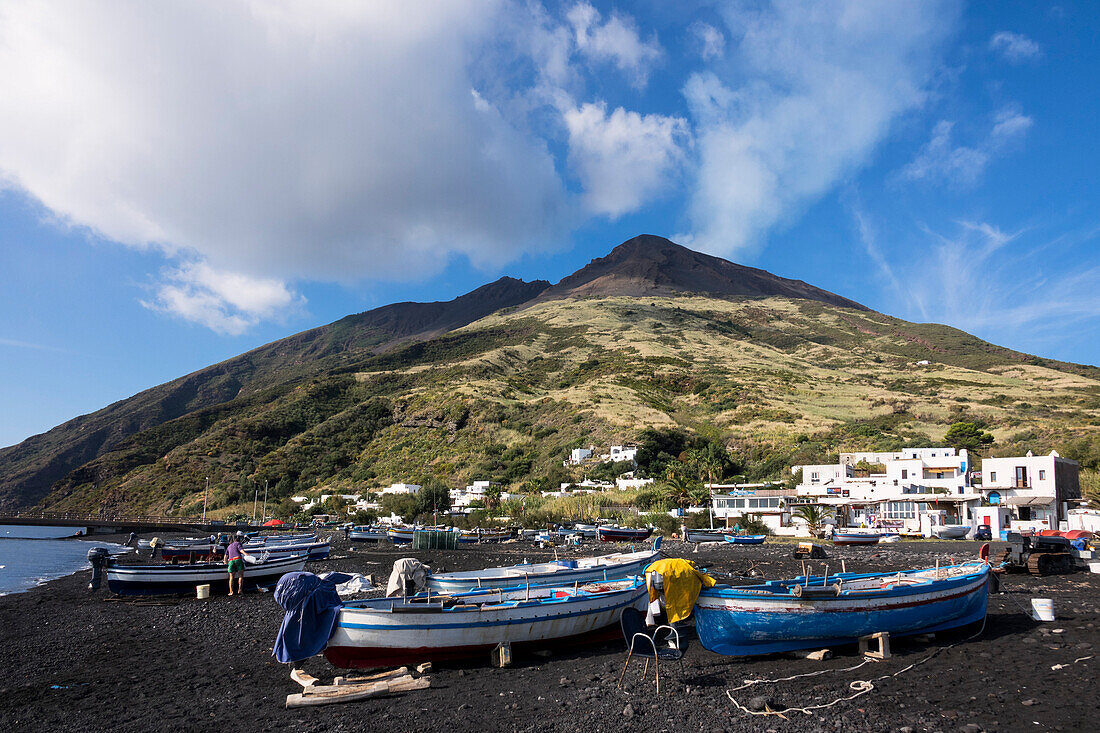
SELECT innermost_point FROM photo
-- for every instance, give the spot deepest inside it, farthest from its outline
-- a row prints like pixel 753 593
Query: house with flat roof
pixel 910 488
pixel 1030 491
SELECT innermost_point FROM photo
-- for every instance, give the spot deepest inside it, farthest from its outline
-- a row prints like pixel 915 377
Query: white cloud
pixel 623 158
pixel 1014 46
pixel 808 91
pixel 298 140
pixel 1000 287
pixel 17 344
pixel 712 42
pixel 940 160
pixel 225 302
pixel 616 41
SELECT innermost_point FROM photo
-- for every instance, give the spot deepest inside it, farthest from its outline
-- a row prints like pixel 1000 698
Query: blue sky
pixel 183 181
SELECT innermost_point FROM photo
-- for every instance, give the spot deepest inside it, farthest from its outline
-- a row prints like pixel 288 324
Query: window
pixel 1042 475
pixel 814 477
pixel 992 476
pixel 900 510
pixel 905 473
pixel 1021 477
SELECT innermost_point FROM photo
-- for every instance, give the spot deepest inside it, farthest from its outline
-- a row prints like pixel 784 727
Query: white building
pixel 895 487
pixel 621 453
pixel 463 498
pixel 731 503
pixel 1029 492
pixel 412 489
pixel 627 482
pixel 577 456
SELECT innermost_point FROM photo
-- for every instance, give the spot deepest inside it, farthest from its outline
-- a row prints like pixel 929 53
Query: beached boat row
pixel 785 615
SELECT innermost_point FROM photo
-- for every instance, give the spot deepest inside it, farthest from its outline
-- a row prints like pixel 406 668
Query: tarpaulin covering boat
pixel 814 612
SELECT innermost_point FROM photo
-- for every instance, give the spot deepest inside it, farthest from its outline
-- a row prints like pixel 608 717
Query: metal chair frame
pixel 656 655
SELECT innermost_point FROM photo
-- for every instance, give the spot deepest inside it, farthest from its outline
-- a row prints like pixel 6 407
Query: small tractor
pixel 1038 555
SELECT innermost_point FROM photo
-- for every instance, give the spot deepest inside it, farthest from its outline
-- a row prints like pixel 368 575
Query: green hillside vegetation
pixel 775 381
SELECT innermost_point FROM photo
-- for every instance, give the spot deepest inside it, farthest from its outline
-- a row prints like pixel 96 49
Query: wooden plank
pixel 303 679
pixel 351 693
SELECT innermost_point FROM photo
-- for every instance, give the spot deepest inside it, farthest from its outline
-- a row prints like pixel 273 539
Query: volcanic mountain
pixel 649 265
pixel 500 382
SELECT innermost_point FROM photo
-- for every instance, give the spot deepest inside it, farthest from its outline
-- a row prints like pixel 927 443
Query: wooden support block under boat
pixel 358 679
pixel 883 651
pixel 349 693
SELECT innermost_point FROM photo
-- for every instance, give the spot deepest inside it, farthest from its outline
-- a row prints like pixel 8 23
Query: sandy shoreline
pixel 81 662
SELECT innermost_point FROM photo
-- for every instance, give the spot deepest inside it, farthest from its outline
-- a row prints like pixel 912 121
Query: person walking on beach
pixel 234 558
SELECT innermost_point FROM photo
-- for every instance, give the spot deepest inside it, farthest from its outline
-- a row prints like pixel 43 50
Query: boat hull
pixel 355 536
pixel 951 533
pixel 746 539
pixel 842 539
pixel 128 580
pixel 374 636
pixel 749 621
pixel 705 535
pixel 616 534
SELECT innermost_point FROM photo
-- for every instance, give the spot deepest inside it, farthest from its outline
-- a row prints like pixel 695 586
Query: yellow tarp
pixel 682 585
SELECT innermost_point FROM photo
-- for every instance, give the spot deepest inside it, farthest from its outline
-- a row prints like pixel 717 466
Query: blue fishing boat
pixel 746 539
pixel 817 611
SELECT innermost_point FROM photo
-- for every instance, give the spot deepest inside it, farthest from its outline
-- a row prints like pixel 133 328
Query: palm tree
pixel 815 516
pixel 679 489
pixel 492 497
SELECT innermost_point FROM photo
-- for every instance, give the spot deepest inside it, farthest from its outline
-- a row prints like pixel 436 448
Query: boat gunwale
pixel 781 590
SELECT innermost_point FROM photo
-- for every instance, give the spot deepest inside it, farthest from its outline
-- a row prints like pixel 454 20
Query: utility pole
pixel 255 498
pixel 204 497
pixel 265 500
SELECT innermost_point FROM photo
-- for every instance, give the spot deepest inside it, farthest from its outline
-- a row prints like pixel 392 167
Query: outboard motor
pixel 131 541
pixel 97 556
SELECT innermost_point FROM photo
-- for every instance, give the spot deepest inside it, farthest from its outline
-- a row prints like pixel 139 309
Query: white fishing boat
pixel 385 632
pixel 162 579
pixel 580 570
pixel 367 534
pixel 707 535
pixel 951 531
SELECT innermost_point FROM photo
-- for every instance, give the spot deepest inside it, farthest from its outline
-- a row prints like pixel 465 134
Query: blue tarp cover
pixel 312 607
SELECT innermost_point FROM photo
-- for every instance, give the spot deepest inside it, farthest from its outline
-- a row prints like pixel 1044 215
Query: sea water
pixel 29 556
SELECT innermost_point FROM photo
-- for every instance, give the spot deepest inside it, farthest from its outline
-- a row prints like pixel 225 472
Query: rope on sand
pixel 861 687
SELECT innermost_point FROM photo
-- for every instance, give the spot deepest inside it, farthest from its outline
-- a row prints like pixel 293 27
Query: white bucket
pixel 1094 566
pixel 202 591
pixel 1042 609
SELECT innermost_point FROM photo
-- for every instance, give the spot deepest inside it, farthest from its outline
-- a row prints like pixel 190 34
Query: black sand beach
pixel 78 662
